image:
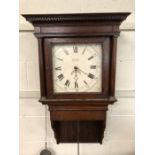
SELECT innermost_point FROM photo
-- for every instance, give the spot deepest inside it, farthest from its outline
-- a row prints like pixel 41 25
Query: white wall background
pixel 119 135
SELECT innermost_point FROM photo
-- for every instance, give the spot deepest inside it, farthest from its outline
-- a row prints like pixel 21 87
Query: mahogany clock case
pixel 77 117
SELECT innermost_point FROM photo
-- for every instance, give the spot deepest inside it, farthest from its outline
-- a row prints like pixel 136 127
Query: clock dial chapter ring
pixel 80 67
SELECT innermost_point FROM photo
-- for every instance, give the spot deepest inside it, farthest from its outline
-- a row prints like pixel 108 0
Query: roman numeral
pixel 66 52
pixel 75 49
pixel 58 68
pixel 67 83
pixel 60 59
pixel 76 84
pixel 90 57
pixel 84 50
pixel 85 82
pixel 60 77
pixel 91 76
pixel 93 67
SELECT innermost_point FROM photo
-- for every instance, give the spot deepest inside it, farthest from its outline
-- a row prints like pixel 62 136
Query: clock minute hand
pixel 89 75
pixel 82 71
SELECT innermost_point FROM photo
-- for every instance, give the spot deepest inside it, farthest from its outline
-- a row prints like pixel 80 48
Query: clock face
pixel 77 67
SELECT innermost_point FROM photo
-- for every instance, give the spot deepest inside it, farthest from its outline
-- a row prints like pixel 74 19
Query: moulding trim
pixel 76 17
pixel 26 27
pixel 36 94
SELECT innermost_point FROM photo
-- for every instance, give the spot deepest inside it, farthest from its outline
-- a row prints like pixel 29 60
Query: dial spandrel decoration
pixel 77 67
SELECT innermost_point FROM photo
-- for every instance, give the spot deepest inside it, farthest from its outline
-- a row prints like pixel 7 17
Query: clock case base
pixel 79 131
pixel 82 124
pixel 75 119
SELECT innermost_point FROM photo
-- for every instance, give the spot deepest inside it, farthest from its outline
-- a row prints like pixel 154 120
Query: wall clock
pixel 77 61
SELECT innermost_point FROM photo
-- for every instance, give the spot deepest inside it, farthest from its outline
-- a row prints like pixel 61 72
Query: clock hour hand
pixel 75 77
pixel 75 71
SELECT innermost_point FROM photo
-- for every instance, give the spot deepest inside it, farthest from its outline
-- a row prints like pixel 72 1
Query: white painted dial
pixel 77 67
